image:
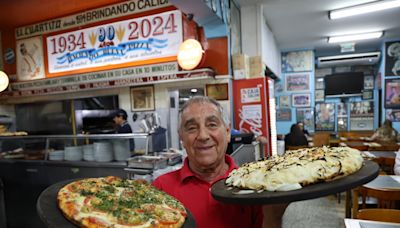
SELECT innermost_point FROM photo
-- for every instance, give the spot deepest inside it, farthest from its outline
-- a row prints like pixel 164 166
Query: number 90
pixel 108 33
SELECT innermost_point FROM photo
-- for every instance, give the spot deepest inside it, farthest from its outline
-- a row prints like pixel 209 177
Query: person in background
pixel 122 126
pixel 301 125
pixel 295 137
pixel 205 133
pixel 385 134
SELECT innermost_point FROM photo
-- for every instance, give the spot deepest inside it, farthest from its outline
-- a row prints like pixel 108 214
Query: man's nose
pixel 203 133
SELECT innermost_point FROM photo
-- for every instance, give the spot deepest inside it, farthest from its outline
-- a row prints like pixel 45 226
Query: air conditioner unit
pixel 369 58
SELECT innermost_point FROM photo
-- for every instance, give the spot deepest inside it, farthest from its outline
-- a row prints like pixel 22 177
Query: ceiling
pixel 296 24
pixel 304 24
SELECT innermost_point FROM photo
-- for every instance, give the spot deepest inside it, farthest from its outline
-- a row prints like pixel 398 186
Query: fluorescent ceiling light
pixel 363 36
pixel 364 8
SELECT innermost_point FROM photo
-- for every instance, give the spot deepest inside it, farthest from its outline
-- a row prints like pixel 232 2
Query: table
pixel 357 223
pixel 379 154
pixel 385 182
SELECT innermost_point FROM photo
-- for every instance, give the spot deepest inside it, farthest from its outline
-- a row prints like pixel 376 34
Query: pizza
pixel 119 203
pixel 296 168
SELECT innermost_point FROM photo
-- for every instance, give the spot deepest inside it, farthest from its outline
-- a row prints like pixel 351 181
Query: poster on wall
pixel 306 115
pixel 341 109
pixel 284 114
pixel 325 117
pixel 392 93
pixel 392 59
pixel 30 64
pixel 393 115
pixel 362 109
pixel 297 82
pixel 368 82
pixel 150 37
pixel 297 61
pixel 301 100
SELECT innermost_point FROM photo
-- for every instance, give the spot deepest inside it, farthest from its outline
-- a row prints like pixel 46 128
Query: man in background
pixel 123 127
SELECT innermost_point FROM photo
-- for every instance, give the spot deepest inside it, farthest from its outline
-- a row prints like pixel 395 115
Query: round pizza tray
pixel 52 216
pixel 367 173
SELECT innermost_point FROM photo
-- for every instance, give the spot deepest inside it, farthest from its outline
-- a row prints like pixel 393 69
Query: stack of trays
pixel 121 149
pixel 73 153
pixel 57 155
pixel 103 151
pixel 88 152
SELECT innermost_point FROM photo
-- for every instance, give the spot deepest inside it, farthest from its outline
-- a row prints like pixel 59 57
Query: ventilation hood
pixel 368 58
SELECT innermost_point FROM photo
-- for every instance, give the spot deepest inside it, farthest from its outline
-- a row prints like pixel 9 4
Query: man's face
pixel 204 135
pixel 118 120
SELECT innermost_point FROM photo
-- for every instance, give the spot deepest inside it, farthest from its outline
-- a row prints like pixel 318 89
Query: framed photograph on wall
pixel 392 61
pixel 306 115
pixel 297 61
pixel 325 117
pixel 342 123
pixel 301 100
pixel 297 82
pixel 392 93
pixel 319 83
pixel 368 82
pixel 368 94
pixel 393 115
pixel 284 101
pixel 217 91
pixel 284 114
pixel 142 98
pixel 319 95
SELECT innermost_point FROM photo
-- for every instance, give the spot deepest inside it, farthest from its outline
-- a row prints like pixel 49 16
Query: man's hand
pixel 273 215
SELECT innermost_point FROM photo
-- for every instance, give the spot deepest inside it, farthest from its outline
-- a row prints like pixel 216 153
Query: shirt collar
pixel 186 172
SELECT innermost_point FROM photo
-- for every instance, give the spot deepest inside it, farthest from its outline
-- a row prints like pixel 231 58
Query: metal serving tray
pixel 147 162
pixel 173 158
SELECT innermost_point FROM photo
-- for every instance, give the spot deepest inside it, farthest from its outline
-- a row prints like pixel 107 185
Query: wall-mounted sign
pixel 90 16
pixel 30 64
pixel 136 39
pixel 190 54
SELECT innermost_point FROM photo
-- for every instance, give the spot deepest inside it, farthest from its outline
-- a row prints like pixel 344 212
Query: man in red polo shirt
pixel 205 134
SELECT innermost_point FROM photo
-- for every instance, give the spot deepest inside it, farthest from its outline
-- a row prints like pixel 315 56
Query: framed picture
pixel 393 115
pixel 301 100
pixel 368 82
pixel 325 116
pixel 392 93
pixel 367 95
pixel 392 60
pixel 297 61
pixel 306 115
pixel 319 83
pixel 362 109
pixel 284 102
pixel 142 98
pixel 297 82
pixel 217 91
pixel 319 95
pixel 342 109
pixel 284 114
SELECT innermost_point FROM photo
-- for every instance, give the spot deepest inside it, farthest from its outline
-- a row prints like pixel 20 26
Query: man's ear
pixel 228 135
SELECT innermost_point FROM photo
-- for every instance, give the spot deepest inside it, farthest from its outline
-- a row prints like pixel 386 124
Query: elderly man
pixel 205 134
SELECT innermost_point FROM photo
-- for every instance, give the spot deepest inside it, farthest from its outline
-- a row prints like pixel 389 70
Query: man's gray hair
pixel 203 99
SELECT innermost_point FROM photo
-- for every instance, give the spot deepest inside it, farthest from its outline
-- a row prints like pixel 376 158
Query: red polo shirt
pixel 194 193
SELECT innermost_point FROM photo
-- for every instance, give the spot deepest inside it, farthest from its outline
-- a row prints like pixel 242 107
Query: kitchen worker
pixel 205 133
pixel 122 126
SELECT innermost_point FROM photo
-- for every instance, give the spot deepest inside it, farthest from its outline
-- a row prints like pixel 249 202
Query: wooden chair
pixel 386 198
pixel 386 164
pixel 321 139
pixel 382 215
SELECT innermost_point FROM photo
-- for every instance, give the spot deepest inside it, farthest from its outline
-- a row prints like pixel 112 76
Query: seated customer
pixel 385 134
pixel 296 137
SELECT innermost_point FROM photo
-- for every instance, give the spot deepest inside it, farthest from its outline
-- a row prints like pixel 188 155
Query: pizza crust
pixel 297 168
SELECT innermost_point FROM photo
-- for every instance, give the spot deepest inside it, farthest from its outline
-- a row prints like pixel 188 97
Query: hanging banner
pixel 90 16
pixel 137 39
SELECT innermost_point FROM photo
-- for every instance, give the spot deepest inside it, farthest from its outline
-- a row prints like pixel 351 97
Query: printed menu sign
pixel 137 39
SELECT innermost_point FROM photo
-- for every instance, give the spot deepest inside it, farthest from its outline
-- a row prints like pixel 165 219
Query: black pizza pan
pixel 367 173
pixel 52 216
